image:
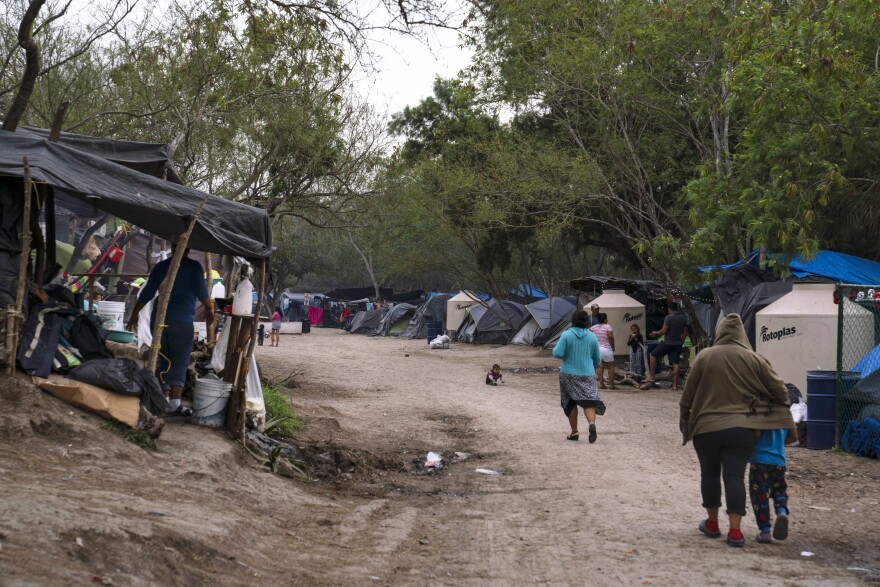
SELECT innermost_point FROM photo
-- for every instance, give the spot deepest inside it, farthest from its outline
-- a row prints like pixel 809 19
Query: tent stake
pixel 168 283
pixel 12 320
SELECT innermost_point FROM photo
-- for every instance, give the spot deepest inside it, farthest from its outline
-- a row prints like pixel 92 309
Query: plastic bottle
pixel 243 302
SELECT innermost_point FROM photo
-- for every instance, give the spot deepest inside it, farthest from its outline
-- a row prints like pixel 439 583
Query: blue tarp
pixel 524 290
pixel 831 265
pixel 869 363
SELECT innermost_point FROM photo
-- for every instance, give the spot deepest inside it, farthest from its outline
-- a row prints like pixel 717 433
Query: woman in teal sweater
pixel 579 350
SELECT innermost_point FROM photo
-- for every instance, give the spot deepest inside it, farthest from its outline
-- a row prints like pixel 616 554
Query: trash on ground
pixel 487 472
pixel 433 460
pixel 461 456
pixel 807 553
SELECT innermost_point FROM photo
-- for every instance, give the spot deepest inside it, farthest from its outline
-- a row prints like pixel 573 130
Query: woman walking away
pixel 579 350
pixel 730 393
pixel 276 327
pixel 605 336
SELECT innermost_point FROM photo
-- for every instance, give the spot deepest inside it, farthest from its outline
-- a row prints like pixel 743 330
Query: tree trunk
pixel 31 68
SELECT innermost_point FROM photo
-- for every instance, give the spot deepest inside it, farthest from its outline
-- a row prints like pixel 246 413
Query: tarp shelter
pixel 456 308
pixel 544 319
pixel 492 323
pixel 868 364
pixel 433 310
pixel 396 320
pixel 353 293
pixel 525 294
pixel 367 321
pixel 160 207
pixel 829 265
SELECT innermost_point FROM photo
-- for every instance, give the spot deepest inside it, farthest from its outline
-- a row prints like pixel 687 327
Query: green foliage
pixel 132 435
pixel 279 413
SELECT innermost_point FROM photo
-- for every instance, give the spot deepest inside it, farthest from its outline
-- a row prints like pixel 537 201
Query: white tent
pixel 456 308
pixel 798 332
pixel 623 311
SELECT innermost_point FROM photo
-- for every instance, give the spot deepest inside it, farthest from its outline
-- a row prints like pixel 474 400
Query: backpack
pixel 88 337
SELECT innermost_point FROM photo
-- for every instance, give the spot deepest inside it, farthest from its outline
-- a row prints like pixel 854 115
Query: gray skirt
pixel 579 390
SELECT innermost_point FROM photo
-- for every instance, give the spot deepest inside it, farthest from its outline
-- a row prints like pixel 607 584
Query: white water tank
pixel 623 311
pixel 798 332
pixel 456 308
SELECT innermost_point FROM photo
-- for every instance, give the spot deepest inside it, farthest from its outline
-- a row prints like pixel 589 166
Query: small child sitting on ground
pixel 494 376
pixel 767 481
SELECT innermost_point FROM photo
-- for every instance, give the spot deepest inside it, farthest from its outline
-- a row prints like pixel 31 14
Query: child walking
pixel 494 376
pixel 767 481
pixel 636 350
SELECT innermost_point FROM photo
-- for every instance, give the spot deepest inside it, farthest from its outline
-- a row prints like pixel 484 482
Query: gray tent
pixel 433 310
pixel 397 314
pixel 492 323
pixel 367 321
pixel 544 316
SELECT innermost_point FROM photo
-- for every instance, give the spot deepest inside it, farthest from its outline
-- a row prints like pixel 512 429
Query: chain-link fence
pixel 858 360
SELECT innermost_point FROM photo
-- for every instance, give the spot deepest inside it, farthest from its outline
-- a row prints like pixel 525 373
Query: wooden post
pixel 12 319
pixel 168 283
pixel 209 283
pixel 245 362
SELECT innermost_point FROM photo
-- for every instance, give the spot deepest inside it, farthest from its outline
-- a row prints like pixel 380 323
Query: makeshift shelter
pixel 623 311
pixel 456 309
pixel 525 294
pixel 60 173
pixel 367 321
pixel 798 332
pixel 432 310
pixel 353 293
pixel 544 319
pixel 396 320
pixel 494 322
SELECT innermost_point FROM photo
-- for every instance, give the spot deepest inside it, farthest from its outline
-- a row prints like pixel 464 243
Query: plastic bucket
pixel 112 315
pixel 822 406
pixel 210 398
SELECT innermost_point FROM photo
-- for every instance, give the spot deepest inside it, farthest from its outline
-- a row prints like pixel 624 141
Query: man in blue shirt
pixel 177 336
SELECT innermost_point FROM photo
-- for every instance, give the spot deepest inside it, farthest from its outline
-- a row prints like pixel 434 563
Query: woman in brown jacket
pixel 730 392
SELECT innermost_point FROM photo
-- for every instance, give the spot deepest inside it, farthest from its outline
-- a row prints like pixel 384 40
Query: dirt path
pixel 622 511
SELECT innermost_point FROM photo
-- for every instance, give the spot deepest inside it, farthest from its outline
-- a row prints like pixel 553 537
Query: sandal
pixel 573 436
pixel 181 411
pixel 647 384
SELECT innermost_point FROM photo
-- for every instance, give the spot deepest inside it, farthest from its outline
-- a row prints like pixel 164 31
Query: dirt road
pixel 621 511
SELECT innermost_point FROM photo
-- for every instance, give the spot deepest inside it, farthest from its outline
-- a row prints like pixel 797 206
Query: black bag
pixel 39 341
pixel 152 398
pixel 119 375
pixel 88 337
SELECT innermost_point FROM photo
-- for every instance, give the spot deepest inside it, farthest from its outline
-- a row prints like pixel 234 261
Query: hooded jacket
pixel 731 386
pixel 579 350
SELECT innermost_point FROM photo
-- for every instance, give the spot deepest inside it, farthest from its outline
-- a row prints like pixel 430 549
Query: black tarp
pixel 492 323
pixel 347 294
pixel 433 310
pixel 160 207
pixel 410 296
pixel 367 321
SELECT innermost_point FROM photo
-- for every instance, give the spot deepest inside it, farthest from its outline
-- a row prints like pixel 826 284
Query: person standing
pixel 730 393
pixel 674 331
pixel 594 314
pixel 177 336
pixel 276 327
pixel 605 336
pixel 579 350
pixel 636 350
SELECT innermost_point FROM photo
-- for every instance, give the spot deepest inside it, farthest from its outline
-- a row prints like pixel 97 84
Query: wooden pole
pixel 243 371
pixel 209 283
pixel 168 283
pixel 12 323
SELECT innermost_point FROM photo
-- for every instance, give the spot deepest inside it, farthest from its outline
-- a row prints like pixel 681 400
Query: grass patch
pixel 132 435
pixel 279 412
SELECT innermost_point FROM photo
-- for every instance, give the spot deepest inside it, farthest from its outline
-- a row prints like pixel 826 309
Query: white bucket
pixel 112 315
pixel 210 397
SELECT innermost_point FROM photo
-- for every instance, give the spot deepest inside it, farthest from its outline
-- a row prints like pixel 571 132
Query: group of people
pixel 734 408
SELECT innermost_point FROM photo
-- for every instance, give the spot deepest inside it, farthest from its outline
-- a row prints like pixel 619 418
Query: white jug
pixel 243 302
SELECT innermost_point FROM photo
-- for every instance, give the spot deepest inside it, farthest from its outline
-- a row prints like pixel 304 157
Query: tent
pixel 869 363
pixel 367 321
pixel 396 320
pixel 433 310
pixel 492 323
pixel 543 319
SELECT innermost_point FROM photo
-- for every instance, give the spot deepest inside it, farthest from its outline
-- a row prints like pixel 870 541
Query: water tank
pixel 623 311
pixel 798 332
pixel 456 308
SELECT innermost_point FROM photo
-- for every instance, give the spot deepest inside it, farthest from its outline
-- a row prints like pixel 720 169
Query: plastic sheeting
pixel 433 310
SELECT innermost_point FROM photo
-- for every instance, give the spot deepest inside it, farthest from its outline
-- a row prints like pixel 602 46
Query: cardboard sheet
pixel 114 406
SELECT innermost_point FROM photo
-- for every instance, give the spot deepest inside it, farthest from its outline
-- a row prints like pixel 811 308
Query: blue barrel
pixel 822 406
pixel 435 329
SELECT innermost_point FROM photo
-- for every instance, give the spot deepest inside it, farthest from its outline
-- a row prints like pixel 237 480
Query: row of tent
pixel 540 323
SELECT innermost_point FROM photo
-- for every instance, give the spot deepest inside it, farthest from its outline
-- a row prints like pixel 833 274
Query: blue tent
pixel 869 363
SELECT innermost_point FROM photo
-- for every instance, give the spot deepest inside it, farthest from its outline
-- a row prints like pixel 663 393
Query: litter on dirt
pixel 487 472
pixel 433 460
